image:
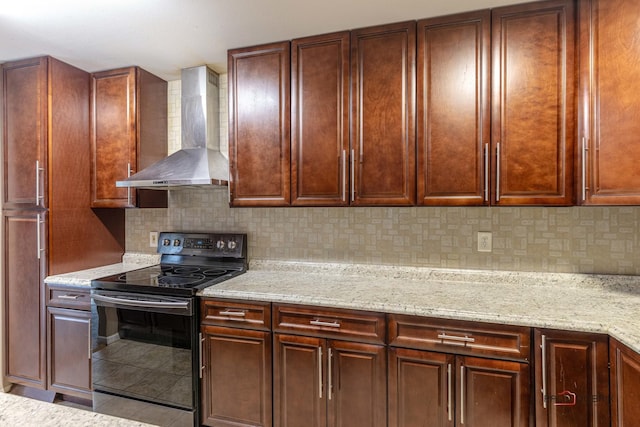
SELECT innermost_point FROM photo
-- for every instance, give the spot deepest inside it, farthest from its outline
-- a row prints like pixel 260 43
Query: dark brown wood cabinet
pixel 625 385
pixel 571 379
pixel 608 122
pixel 49 226
pixel 451 386
pixel 453 109
pixel 533 105
pixel 383 139
pixel 323 381
pixel 128 133
pixel 259 125
pixel 320 120
pixel 69 341
pixel 236 364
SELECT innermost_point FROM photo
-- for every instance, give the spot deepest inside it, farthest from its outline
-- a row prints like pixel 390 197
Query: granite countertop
pixel 580 302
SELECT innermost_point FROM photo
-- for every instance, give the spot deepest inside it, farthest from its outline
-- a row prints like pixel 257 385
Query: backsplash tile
pixel 570 240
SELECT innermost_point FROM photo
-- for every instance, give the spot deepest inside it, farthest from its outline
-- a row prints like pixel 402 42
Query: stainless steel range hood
pixel 199 161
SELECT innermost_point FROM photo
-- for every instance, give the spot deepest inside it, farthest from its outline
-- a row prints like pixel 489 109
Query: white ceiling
pixel 163 36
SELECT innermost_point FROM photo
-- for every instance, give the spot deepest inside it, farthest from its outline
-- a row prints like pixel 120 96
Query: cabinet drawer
pixel 69 297
pixel 460 337
pixel 238 314
pixel 330 323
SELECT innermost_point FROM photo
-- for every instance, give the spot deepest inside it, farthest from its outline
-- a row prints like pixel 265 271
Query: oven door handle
pixel 139 303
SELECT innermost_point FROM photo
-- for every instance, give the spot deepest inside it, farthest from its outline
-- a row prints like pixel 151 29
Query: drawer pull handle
pixel 233 313
pixel 465 339
pixel 316 322
pixel 73 297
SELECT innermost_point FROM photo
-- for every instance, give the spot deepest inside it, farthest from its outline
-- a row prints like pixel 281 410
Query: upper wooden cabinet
pixel 25 134
pixel 609 102
pixel 533 90
pixel 259 120
pixel 320 120
pixel 128 133
pixel 453 111
pixel 383 162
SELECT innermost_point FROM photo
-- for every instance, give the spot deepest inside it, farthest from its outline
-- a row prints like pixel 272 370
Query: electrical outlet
pixel 484 241
pixel 153 239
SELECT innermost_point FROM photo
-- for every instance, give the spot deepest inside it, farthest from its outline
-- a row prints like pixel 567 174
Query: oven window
pixel 144 355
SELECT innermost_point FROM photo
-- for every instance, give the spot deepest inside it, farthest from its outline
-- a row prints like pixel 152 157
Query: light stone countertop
pixel 578 302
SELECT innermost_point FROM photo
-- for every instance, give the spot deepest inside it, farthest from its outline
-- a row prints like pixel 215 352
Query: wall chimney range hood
pixel 199 162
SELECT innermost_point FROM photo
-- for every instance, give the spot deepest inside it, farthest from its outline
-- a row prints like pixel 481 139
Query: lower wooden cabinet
pixel 236 364
pixel 69 360
pixel 625 385
pixel 444 390
pixel 69 341
pixel 572 379
pixel 320 382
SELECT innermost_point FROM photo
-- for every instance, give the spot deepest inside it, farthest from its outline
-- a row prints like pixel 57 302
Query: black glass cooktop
pixel 190 262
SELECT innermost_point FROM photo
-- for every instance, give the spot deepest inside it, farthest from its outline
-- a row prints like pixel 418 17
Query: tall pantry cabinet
pixel 48 225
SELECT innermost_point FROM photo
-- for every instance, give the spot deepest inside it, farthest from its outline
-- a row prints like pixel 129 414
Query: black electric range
pixel 189 262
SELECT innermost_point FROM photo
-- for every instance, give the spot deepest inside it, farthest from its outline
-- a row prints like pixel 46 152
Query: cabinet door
pixel 573 377
pixel 421 388
pixel 492 393
pixel 299 376
pixel 236 385
pixel 320 120
pixel 25 133
pixel 356 385
pixel 113 137
pixel 609 84
pixel 383 115
pixel 453 109
pixel 69 351
pixel 259 120
pixel 625 385
pixel 24 271
pixel 533 117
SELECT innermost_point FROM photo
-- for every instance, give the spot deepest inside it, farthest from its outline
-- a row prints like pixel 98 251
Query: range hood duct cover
pixel 199 161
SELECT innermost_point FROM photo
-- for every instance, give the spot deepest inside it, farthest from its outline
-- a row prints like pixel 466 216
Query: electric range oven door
pixel 145 357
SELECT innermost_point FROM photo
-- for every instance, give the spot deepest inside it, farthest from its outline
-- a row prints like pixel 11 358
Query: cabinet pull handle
pixel 449 391
pixel 200 345
pixel 462 394
pixel 233 313
pixel 38 170
pixel 497 172
pixel 465 339
pixel 316 322
pixel 128 188
pixel 344 175
pixel 89 345
pixel 39 245
pixel 486 172
pixel 330 375
pixel 72 297
pixel 320 372
pixel 543 347
pixel 585 150
pixel 353 175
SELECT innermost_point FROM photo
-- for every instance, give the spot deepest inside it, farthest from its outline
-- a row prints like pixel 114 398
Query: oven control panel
pixel 204 244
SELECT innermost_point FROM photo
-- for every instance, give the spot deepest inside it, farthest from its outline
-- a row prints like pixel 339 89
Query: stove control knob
pixel 232 245
pixel 176 242
pixel 220 244
pixel 166 242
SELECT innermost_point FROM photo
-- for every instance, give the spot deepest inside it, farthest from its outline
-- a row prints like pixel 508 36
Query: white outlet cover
pixel 153 239
pixel 484 241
